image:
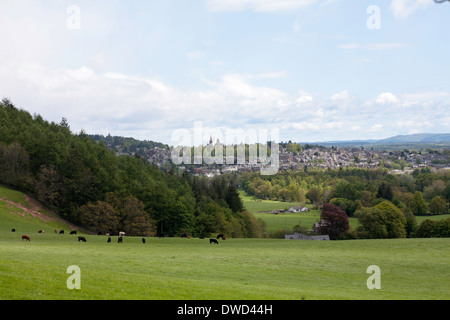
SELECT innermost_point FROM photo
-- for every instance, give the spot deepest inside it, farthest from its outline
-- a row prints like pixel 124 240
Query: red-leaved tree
pixel 333 221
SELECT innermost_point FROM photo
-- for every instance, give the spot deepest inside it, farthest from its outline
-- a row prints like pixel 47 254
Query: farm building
pixel 298 209
pixel 299 236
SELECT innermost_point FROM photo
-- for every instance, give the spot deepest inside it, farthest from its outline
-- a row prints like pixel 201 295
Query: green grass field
pixel 193 269
pixel 242 269
pixel 254 205
pixel 283 221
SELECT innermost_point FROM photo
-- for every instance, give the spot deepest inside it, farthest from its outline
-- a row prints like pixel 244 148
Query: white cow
pixel 121 234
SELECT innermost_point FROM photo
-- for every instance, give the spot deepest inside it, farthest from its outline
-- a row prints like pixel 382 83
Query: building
pixel 298 209
pixel 299 236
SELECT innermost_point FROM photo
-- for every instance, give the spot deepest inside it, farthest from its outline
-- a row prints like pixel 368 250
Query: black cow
pixel 80 238
pixel 13 230
pixel 61 232
pixel 220 236
pixel 213 241
pixel 73 232
pixel 109 239
pixel 120 240
pixel 143 240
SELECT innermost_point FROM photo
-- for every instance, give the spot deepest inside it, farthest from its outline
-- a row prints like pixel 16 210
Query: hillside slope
pixel 26 215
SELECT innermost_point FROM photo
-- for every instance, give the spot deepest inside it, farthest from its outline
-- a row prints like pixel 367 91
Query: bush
pixel 433 229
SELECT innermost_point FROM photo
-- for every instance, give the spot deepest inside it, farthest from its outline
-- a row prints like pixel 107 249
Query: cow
pixel 121 234
pixel 120 240
pixel 213 241
pixel 73 232
pixel 80 238
pixel 220 236
pixel 13 230
pixel 143 240
pixel 109 239
pixel 61 232
pixel 25 237
pixel 184 235
pixel 41 231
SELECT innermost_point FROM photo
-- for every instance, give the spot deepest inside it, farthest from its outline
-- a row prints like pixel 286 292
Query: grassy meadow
pixel 193 269
pixel 262 209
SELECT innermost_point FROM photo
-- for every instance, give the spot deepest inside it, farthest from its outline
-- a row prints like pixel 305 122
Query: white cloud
pixel 343 95
pixel 386 98
pixel 403 8
pixel 376 128
pixel 304 97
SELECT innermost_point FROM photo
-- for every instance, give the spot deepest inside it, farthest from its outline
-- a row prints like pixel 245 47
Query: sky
pixel 310 70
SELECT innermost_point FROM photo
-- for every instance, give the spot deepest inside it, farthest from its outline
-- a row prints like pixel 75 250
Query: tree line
pixel 89 185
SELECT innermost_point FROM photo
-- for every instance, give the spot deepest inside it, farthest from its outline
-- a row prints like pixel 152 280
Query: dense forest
pixel 88 184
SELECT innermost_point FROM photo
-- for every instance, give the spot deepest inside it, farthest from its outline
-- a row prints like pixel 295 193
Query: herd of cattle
pixel 121 236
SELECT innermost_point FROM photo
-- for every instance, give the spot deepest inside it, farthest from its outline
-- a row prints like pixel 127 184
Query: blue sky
pixel 312 69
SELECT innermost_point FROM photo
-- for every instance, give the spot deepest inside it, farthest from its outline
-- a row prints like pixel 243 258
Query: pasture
pixel 236 269
pixel 194 269
pixel 282 221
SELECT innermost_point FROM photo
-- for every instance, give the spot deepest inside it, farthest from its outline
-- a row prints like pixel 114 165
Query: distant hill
pixel 419 140
pixel 419 137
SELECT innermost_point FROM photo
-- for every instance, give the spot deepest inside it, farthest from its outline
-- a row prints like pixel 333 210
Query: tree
pixel 438 205
pixel 233 199
pixel 411 225
pixel 446 193
pixel 136 222
pixel 385 191
pixel 371 223
pixel 395 219
pixel 348 206
pixel 49 186
pixel 314 195
pixel 384 220
pixel 333 221
pixel 436 188
pixel 14 164
pixel 419 206
pixel 99 216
